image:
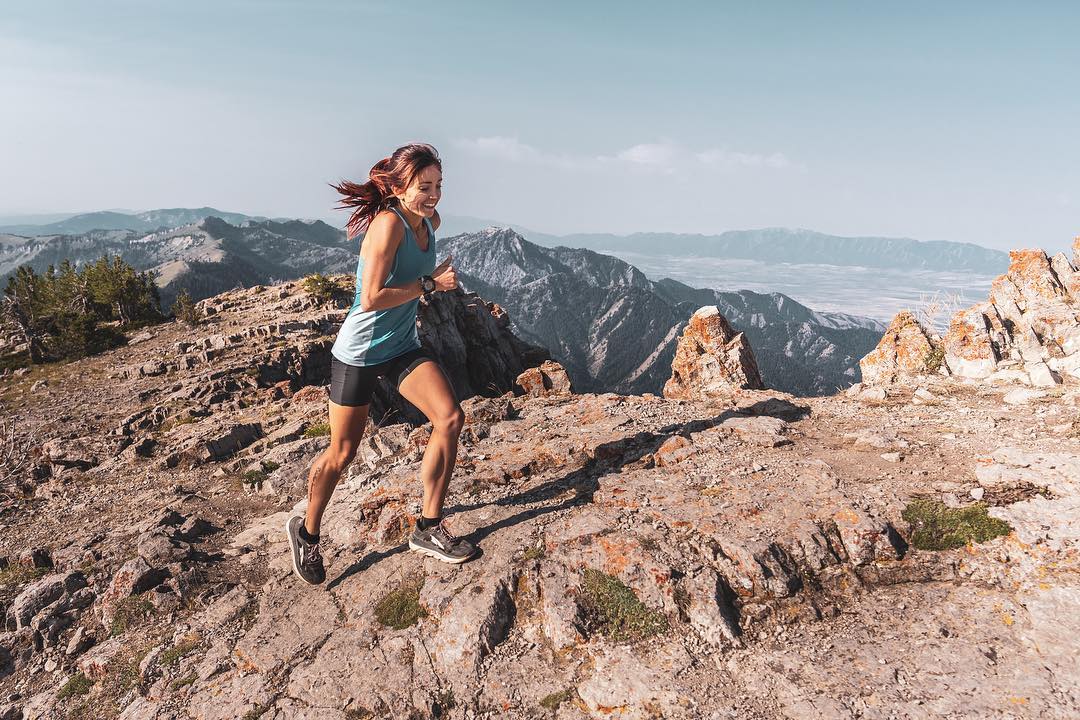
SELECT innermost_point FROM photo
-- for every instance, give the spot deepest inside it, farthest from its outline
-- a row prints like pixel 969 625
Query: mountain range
pixel 616 330
pixel 777 245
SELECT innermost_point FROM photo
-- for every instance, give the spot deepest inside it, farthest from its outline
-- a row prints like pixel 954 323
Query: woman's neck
pixel 415 221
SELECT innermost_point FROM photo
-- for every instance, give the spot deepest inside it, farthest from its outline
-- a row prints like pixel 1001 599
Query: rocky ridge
pixel 742 555
pixel 1027 331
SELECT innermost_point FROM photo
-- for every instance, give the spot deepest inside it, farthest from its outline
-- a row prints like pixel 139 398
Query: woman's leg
pixel 427 388
pixel 346 429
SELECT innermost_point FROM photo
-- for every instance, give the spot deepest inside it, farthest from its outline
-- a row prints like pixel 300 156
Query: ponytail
pixel 377 194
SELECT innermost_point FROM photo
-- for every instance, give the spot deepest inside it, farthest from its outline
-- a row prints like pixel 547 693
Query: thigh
pixel 347 427
pixel 427 387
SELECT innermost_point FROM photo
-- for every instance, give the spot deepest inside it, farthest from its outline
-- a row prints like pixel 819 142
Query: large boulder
pixel 711 359
pixel 905 350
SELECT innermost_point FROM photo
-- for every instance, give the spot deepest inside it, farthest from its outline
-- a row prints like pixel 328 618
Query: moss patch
pixel 611 608
pixel 936 527
pixel 555 699
pixel 400 608
pixel 79 684
pixel 317 430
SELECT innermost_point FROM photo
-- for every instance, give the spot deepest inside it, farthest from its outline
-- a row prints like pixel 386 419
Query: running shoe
pixel 306 558
pixel 441 544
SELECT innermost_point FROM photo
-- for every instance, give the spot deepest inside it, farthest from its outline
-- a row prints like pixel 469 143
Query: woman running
pixel 395 213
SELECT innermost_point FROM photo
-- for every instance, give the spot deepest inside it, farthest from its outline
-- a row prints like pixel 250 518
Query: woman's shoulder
pixel 387 223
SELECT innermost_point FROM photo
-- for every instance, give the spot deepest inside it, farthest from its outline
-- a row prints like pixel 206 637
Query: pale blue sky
pixel 939 121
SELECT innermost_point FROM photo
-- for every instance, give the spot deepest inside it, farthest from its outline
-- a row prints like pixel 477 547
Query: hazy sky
pixel 939 121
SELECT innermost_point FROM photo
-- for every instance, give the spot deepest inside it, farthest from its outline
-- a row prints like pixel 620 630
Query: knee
pixel 452 422
pixel 337 459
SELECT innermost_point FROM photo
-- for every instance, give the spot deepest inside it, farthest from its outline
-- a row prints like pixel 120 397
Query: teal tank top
pixel 375 336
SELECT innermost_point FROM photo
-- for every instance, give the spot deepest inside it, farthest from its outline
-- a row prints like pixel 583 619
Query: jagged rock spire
pixel 711 359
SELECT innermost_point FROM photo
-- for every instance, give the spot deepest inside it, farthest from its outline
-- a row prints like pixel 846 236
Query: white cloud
pixel 665 156
pixel 663 153
pixel 728 158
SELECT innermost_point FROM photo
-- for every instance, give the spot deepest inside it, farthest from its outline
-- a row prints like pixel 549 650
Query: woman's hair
pixel 394 172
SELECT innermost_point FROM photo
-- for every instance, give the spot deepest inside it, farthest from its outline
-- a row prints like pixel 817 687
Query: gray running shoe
pixel 306 558
pixel 441 544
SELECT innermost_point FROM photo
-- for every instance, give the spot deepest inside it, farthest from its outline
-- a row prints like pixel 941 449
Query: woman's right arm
pixel 380 244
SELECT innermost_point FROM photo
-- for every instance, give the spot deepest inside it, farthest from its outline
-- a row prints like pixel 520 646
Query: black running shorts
pixel 352 385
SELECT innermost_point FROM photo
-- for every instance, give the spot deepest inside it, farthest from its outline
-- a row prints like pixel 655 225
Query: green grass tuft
pixel 130 612
pixel 317 430
pixel 183 682
pixel 400 608
pixel 937 527
pixel 16 575
pixel 187 645
pixel 79 684
pixel 613 609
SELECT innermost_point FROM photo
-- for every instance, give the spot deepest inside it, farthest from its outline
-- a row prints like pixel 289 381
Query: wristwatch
pixel 427 285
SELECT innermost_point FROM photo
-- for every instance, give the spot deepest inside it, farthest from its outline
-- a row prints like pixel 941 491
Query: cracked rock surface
pixel 752 546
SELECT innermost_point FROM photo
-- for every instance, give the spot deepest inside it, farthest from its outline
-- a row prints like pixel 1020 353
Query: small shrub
pixel 934 358
pixel 317 430
pixel 79 684
pixel 533 553
pixel 254 477
pixel 555 699
pixel 613 609
pixel 185 310
pixel 937 527
pixel 400 608
pixel 129 612
pixel 325 290
pixel 269 466
pixel 183 682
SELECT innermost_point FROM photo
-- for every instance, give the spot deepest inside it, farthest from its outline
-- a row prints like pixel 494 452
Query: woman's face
pixel 424 193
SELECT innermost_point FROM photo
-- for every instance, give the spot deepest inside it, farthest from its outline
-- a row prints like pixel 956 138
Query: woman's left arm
pixel 435 221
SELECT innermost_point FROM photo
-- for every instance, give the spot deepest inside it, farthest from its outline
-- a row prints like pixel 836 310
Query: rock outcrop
pixel 906 350
pixel 1027 331
pixel 549 378
pixel 1029 326
pixel 711 359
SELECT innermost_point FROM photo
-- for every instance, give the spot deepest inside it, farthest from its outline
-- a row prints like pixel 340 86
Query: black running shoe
pixel 441 544
pixel 306 558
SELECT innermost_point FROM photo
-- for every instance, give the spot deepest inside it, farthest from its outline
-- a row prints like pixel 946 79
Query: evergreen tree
pixel 59 313
pixel 185 310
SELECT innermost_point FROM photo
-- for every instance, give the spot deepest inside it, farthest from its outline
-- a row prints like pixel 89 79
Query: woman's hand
pixel 445 276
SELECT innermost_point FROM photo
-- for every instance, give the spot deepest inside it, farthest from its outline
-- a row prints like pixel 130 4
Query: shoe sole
pixel 437 555
pixel 294 551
